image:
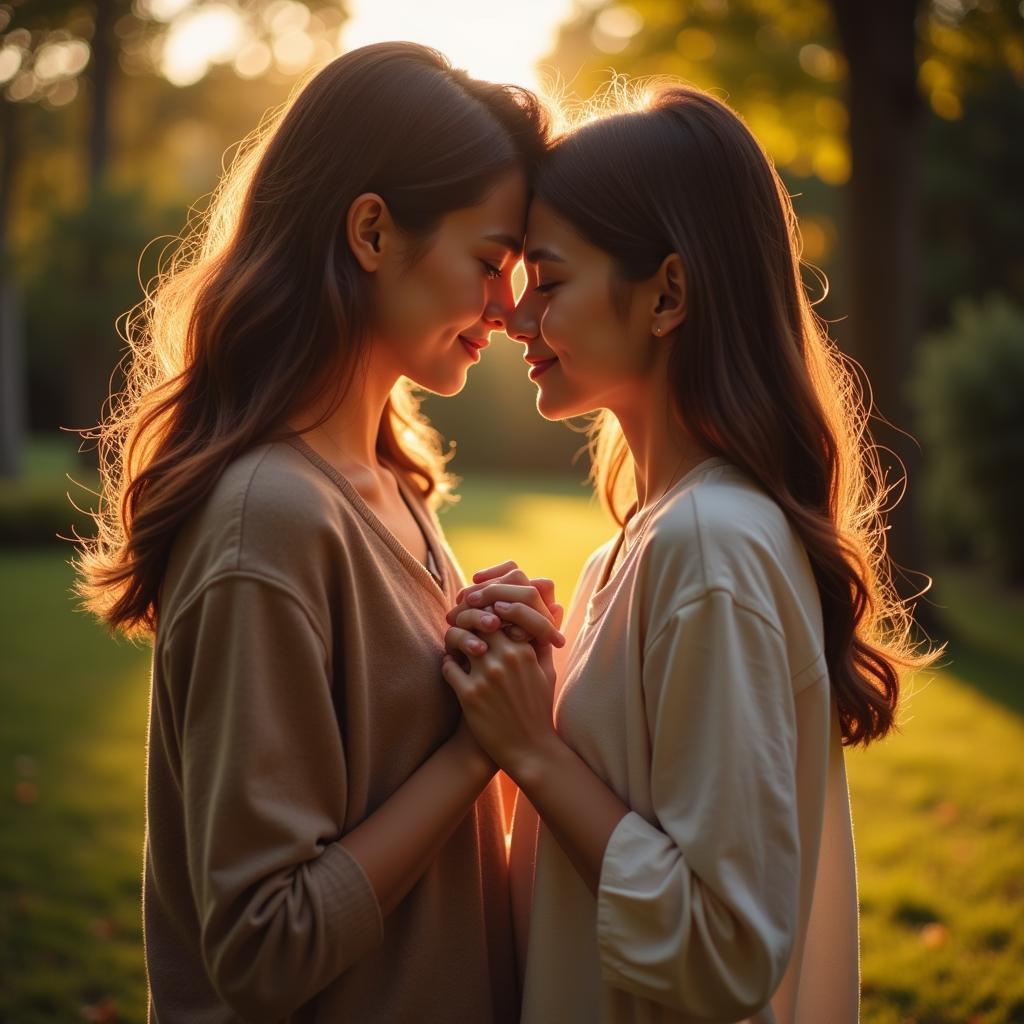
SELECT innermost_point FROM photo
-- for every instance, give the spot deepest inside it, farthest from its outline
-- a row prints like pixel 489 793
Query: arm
pixel 285 902
pixel 503 597
pixel 698 911
pixel 396 843
pixel 506 697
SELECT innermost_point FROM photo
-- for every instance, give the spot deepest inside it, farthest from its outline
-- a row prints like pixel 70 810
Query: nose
pixel 500 303
pixel 495 315
pixel 523 324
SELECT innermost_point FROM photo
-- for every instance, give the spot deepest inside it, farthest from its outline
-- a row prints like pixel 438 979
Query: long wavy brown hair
pixel 263 308
pixel 753 373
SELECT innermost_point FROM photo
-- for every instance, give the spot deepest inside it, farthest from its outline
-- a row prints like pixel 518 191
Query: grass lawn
pixel 938 809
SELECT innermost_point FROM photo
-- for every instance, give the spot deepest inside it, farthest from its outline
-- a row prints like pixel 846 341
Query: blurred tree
pixel 967 390
pixel 837 88
pixel 49 47
pixel 973 206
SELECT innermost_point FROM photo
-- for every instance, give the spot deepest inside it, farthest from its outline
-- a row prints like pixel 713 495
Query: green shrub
pixel 968 390
pixel 36 508
pixel 35 513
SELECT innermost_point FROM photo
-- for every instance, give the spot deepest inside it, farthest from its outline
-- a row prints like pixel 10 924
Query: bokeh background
pixel 899 128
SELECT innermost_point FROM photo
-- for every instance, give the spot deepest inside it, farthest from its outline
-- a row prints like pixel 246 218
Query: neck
pixel 351 429
pixel 663 450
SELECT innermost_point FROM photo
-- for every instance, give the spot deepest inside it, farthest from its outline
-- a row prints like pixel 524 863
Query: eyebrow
pixel 536 255
pixel 512 244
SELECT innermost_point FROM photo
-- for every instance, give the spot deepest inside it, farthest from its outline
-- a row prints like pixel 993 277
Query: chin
pixel 551 407
pixel 446 387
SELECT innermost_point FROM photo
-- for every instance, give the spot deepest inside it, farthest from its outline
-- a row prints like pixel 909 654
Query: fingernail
pixel 478 645
pixel 502 606
pixel 489 620
pixel 474 598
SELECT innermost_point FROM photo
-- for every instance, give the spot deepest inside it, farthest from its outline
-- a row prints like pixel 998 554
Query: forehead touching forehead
pixel 500 217
pixel 550 237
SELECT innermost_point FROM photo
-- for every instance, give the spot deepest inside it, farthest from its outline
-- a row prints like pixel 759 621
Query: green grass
pixel 71 750
pixel 938 810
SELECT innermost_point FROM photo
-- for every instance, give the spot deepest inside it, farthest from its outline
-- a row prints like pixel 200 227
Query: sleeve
pixel 697 910
pixel 282 906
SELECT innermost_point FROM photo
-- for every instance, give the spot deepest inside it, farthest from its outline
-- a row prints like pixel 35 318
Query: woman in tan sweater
pixel 682 847
pixel 324 837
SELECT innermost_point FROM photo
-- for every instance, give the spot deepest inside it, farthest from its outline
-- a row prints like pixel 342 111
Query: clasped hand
pixel 505 684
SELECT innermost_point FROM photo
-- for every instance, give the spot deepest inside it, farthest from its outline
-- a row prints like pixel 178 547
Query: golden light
pixel 500 42
pixel 208 35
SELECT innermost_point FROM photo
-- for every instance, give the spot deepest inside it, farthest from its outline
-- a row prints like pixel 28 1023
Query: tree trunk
pixel 90 375
pixel 12 366
pixel 104 58
pixel 886 111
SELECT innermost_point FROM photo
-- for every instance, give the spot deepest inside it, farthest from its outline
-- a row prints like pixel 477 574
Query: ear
pixel 669 309
pixel 368 228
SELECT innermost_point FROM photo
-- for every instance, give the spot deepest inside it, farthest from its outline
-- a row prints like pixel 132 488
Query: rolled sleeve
pixel 283 907
pixel 697 908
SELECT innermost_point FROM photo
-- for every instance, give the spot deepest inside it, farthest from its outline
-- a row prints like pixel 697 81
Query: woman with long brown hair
pixel 693 856
pixel 324 836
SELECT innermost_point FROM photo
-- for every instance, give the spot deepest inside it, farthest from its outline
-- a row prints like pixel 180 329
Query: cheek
pixel 586 331
pixel 456 289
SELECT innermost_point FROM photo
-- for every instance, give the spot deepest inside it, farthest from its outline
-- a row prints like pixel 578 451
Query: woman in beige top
pixel 324 840
pixel 682 847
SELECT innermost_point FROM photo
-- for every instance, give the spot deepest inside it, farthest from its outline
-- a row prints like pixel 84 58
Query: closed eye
pixel 546 286
pixel 491 270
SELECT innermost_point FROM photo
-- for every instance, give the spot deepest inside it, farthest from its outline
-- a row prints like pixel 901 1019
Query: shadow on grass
pixel 998 676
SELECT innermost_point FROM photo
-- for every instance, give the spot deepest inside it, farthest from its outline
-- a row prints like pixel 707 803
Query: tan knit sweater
pixel 296 685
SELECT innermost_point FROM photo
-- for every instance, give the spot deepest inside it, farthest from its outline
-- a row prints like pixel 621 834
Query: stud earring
pixel 657 329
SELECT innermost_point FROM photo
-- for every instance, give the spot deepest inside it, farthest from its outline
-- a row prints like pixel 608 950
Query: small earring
pixel 657 329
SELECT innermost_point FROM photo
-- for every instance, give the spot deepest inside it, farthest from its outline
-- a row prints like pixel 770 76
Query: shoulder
pixel 723 515
pixel 268 499
pixel 280 497
pixel 723 533
pixel 271 514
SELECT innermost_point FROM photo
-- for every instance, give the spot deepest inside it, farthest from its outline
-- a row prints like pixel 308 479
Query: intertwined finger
pixel 537 626
pixel 478 620
pixel 494 571
pixel 462 641
pixel 509 593
pixel 514 575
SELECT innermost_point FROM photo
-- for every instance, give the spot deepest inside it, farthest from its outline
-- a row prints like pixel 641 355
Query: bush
pixel 37 508
pixel 968 390
pixel 35 515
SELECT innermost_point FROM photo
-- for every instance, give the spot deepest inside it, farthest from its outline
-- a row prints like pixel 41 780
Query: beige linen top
pixel 696 688
pixel 296 685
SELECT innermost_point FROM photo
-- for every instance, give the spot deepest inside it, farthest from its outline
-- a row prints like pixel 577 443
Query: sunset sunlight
pixel 509 512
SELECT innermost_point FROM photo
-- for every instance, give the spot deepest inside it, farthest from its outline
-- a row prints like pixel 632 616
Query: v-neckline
pixel 414 566
pixel 610 574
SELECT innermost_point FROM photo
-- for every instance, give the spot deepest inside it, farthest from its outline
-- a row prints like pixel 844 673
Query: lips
pixel 540 365
pixel 473 345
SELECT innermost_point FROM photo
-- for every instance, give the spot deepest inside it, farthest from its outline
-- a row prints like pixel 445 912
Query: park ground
pixel 938 808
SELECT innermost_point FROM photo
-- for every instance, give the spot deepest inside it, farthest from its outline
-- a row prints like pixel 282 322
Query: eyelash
pixel 491 271
pixel 545 288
